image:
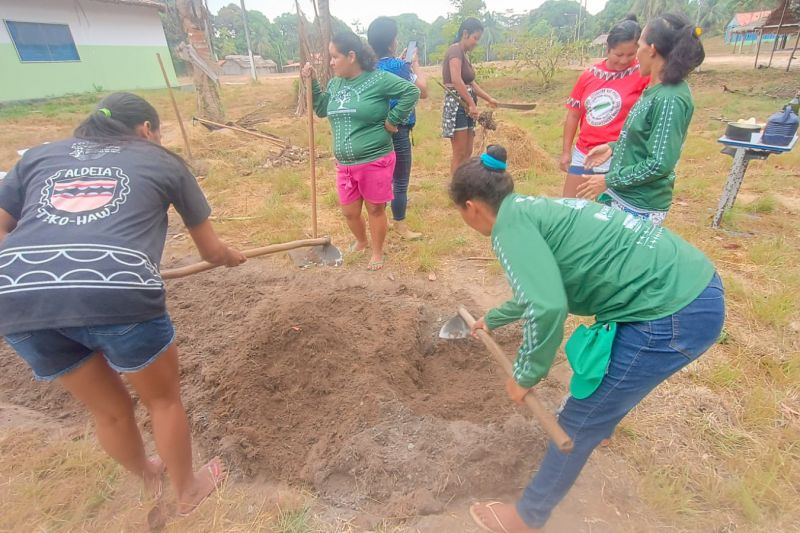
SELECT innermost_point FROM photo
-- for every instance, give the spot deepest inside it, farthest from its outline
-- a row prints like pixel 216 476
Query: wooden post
pixel 175 105
pixel 794 51
pixel 758 46
pixel 249 46
pixel 778 32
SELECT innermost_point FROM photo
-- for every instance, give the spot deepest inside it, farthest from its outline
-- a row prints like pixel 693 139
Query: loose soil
pixel 337 380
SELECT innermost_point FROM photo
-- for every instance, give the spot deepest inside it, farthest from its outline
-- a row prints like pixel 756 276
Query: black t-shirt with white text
pixel 91 226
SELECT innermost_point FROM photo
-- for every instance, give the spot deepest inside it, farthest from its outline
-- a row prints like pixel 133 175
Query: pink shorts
pixel 371 181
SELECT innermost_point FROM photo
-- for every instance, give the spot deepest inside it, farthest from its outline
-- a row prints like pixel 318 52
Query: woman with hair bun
pixel 357 104
pixel 642 171
pixel 600 101
pixel 574 256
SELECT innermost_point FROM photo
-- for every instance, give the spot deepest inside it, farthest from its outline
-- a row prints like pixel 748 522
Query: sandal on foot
pixel 215 469
pixel 353 248
pixel 477 519
pixel 376 265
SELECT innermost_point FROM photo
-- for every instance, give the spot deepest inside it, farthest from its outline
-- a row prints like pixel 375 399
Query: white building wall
pixel 91 22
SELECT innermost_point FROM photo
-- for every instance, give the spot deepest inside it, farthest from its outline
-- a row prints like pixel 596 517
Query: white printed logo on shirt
pixel 82 195
pixel 603 106
pixel 85 150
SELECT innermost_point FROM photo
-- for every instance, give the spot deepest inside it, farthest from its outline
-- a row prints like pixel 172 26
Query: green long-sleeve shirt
pixel 642 170
pixel 580 257
pixel 357 110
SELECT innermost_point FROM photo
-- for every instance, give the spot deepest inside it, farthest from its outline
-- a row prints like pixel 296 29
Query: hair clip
pixel 106 111
pixel 492 163
pixel 698 31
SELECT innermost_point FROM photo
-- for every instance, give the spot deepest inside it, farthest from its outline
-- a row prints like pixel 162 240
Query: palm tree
pixel 492 31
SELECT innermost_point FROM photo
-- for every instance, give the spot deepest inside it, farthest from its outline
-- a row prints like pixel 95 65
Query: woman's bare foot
pixel 499 518
pixel 153 478
pixel 206 481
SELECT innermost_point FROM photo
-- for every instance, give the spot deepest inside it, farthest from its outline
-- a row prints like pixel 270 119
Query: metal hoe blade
pixel 327 255
pixel 455 328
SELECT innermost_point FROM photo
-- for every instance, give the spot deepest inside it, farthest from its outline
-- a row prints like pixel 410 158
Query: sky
pixel 367 10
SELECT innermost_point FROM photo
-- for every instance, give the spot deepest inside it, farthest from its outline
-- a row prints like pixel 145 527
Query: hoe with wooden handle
pixel 323 251
pixel 459 327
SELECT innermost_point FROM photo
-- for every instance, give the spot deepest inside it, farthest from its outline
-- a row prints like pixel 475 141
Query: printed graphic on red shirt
pixel 603 106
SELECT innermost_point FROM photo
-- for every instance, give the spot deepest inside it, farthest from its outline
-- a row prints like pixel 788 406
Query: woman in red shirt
pixel 600 102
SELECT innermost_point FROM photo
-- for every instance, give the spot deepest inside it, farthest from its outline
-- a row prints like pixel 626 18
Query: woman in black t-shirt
pixel 82 228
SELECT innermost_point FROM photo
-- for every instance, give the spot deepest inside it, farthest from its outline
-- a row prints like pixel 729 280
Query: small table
pixel 743 152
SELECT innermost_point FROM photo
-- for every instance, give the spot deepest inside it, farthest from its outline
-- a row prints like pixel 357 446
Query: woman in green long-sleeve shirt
pixel 642 171
pixel 357 104
pixel 658 302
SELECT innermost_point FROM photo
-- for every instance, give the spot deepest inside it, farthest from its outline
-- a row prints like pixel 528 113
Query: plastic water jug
pixel 781 128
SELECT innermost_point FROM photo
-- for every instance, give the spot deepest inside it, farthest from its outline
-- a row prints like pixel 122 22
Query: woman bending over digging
pixel 642 171
pixel 357 104
pixel 83 223
pixel 658 302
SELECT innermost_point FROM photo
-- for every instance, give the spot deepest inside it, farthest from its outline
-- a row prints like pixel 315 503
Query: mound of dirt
pixel 336 379
pixel 523 152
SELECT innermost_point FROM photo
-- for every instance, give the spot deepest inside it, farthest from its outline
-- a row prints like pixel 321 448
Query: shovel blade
pixel 455 328
pixel 327 255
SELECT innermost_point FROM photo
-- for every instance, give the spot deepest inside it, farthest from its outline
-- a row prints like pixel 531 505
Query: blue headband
pixel 492 163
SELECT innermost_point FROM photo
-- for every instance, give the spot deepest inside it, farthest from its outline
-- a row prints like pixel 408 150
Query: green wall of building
pixel 101 68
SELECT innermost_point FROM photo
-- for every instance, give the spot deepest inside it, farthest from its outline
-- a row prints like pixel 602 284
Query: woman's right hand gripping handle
pixel 308 71
pixel 212 249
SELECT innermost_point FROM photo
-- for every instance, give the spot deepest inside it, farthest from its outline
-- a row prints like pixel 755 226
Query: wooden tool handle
pixel 545 417
pixel 312 154
pixel 202 266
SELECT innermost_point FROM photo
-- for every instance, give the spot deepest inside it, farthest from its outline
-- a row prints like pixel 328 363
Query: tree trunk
pixel 318 55
pixel 324 21
pixel 194 19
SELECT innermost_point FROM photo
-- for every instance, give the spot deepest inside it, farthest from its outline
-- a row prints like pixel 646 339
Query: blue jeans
pixel 402 171
pixel 643 355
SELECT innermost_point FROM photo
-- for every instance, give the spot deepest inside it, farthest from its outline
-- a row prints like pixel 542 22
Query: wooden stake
pixel 312 155
pixel 273 140
pixel 175 105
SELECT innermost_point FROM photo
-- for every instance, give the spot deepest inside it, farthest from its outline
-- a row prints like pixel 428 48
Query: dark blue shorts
pixel 463 120
pixel 51 353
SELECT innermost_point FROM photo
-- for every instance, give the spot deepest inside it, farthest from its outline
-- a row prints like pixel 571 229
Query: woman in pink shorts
pixel 357 104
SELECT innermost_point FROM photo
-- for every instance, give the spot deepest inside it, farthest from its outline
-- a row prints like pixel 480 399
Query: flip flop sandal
pixel 375 266
pixel 352 249
pixel 214 467
pixel 477 519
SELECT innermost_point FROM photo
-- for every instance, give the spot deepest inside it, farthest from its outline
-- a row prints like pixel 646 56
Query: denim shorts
pixel 576 165
pixel 51 353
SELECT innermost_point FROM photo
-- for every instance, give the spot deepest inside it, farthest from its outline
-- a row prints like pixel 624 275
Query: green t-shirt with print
pixel 574 256
pixel 357 110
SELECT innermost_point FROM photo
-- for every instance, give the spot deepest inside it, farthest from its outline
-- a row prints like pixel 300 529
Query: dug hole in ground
pixel 336 381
